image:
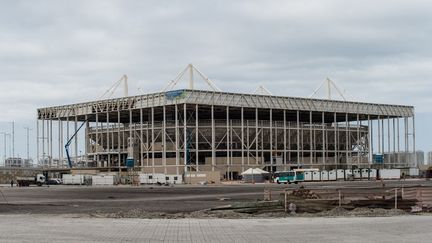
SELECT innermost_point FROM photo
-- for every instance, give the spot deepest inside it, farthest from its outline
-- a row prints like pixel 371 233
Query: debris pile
pixel 304 193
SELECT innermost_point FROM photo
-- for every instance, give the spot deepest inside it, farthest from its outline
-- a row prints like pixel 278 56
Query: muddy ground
pixel 165 201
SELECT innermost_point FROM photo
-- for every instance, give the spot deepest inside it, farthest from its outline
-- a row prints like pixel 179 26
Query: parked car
pixel 54 181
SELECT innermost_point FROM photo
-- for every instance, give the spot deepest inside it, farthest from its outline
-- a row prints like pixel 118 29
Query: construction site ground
pixel 178 201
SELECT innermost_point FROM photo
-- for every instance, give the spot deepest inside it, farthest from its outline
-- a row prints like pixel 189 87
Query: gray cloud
pixel 57 52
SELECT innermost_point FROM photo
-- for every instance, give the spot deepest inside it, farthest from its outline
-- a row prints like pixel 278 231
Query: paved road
pixel 186 198
pixel 40 228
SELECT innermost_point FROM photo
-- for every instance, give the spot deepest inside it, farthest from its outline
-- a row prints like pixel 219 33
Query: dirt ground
pixel 180 201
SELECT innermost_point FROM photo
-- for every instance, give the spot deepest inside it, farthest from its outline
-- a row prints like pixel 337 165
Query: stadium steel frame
pixel 169 129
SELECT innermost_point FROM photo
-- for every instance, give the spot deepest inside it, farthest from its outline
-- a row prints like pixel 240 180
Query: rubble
pixel 304 193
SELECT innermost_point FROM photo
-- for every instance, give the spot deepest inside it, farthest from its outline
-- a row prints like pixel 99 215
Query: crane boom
pixel 69 142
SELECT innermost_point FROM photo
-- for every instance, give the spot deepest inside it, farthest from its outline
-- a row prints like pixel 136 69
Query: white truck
pixel 39 180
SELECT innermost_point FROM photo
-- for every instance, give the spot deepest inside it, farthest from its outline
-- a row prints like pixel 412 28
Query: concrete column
pixel 247 143
pixel 394 136
pixel 298 138
pixel 213 140
pixel 336 143
pixel 289 143
pixel 86 136
pixel 148 138
pixel 388 140
pixel 228 137
pixel 406 138
pixel 196 138
pixel 413 141
pixel 50 143
pixel 177 137
pixel 242 139
pixel 323 139
pixel 398 141
pixel 311 141
pixel 60 142
pixel 37 143
pixel 379 136
pixel 185 143
pixel 76 138
pixel 131 136
pixel 97 141
pixel 118 141
pixel 164 139
pixel 284 141
pixel 347 138
pixel 152 140
pixel 358 139
pixel 371 149
pixel 382 136
pixel 107 142
pixel 141 152
pixel 271 140
pixel 256 136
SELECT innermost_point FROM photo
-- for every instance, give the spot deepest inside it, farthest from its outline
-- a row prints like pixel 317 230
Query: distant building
pixel 406 159
pixel 18 162
pixel 420 157
pixel 52 162
pixel 429 159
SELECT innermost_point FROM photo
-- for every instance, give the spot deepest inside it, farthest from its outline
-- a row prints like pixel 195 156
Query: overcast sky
pixel 59 52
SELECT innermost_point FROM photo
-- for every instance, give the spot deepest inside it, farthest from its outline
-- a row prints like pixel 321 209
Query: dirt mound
pixel 138 213
pixel 304 193
pixel 375 212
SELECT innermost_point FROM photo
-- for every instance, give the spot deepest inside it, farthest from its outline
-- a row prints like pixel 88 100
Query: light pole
pixel 28 144
pixel 4 144
pixel 13 139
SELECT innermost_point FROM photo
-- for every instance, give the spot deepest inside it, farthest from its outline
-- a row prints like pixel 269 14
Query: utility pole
pixel 28 144
pixel 13 139
pixel 9 135
pixel 4 145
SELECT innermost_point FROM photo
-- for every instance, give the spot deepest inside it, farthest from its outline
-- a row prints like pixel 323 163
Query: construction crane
pixel 69 142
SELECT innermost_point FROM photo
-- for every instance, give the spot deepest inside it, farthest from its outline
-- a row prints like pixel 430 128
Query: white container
pixel 332 175
pixel 308 175
pixel 103 180
pixel 340 174
pixel 316 176
pixel 324 175
pixel 69 179
pixel 150 178
pixel 157 178
pixel 414 172
pixel 146 178
pixel 175 179
pixel 357 174
pixel 373 174
pixel 365 173
pixel 348 174
pixel 390 173
pixel 143 178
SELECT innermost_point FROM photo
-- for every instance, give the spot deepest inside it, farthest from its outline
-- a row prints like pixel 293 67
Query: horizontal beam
pixel 202 97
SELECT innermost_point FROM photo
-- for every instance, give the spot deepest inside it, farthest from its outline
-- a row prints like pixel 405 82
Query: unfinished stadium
pixel 181 130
